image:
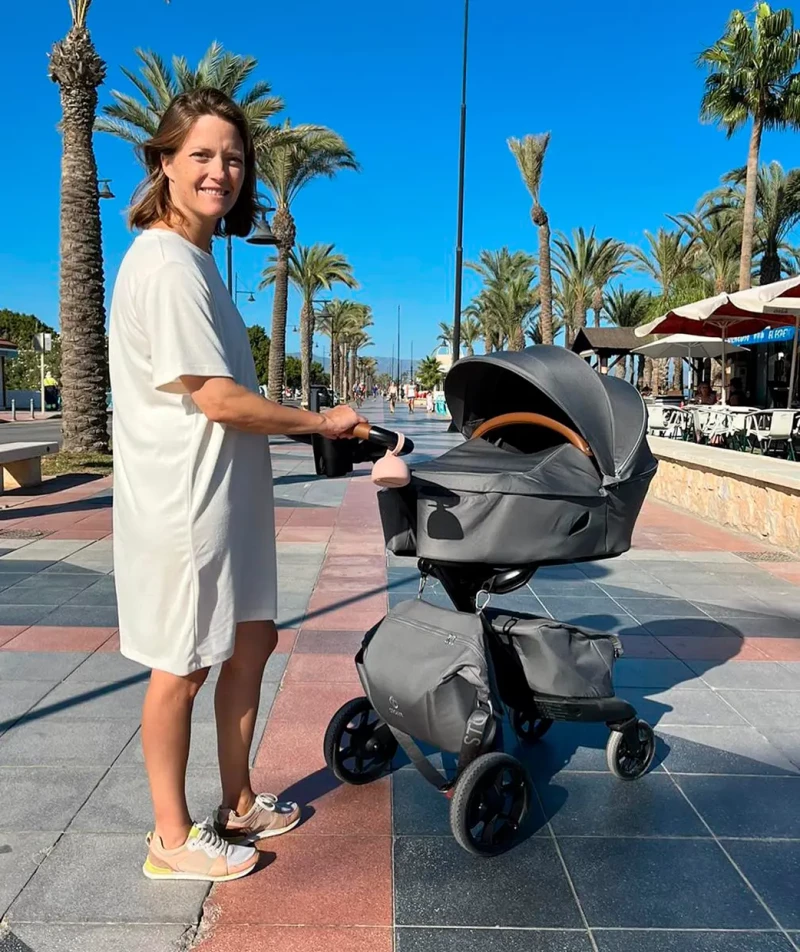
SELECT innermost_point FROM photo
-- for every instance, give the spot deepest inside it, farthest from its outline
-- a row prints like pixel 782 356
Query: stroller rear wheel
pixel 528 727
pixel 489 804
pixel 358 746
pixel 630 762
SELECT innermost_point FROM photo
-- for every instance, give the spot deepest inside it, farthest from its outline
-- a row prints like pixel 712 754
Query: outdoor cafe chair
pixel 774 432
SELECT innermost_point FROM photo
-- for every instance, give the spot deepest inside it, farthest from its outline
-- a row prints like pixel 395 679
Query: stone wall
pixel 758 502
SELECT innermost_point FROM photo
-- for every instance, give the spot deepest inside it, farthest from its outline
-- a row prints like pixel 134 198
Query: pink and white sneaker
pixel 268 816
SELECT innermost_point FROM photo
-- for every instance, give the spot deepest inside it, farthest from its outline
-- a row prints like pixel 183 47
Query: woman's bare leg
pixel 236 706
pixel 166 731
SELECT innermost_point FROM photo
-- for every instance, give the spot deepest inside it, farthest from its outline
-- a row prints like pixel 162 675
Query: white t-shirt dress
pixel 194 533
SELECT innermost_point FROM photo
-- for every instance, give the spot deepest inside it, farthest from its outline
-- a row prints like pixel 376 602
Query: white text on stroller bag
pixel 476 728
pixel 394 707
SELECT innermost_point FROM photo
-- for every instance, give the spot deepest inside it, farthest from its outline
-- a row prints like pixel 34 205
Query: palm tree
pixel 311 269
pixel 336 321
pixel 576 263
pixel 716 235
pixel 305 153
pixel 445 338
pixel 611 262
pixel 529 153
pixel 508 297
pixel 136 119
pixel 777 214
pixel 470 333
pixel 429 372
pixel 78 69
pixel 752 77
pixel 628 309
pixel 669 259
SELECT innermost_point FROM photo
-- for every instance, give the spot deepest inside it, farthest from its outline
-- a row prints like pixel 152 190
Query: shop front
pixel 763 372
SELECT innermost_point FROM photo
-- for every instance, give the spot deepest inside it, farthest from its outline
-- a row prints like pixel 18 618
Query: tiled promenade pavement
pixel 703 854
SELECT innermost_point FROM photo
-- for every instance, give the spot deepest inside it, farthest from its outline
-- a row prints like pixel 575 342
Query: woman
pixel 194 540
pixel 392 397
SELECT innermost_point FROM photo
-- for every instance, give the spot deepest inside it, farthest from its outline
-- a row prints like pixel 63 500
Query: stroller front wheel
pixel 529 728
pixel 358 746
pixel 627 762
pixel 489 804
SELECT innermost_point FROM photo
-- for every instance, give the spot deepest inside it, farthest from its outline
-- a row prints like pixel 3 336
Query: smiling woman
pixel 194 535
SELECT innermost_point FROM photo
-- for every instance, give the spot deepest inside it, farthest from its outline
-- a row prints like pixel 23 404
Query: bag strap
pixel 419 760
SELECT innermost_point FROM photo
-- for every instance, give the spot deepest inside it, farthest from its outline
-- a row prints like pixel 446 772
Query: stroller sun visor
pixel 607 412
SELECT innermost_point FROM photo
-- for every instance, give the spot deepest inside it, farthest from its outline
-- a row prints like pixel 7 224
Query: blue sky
pixel 615 83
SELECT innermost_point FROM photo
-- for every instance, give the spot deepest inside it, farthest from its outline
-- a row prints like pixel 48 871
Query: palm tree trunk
pixel 334 362
pixel 749 218
pixel 487 343
pixel 353 367
pixel 277 347
pixel 545 282
pixel 284 230
pixel 770 269
pixel 306 332
pixel 677 375
pixel 79 70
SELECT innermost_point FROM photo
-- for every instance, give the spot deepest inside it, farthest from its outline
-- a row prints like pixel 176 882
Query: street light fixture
pixel 261 235
pixel 250 295
pixel 103 190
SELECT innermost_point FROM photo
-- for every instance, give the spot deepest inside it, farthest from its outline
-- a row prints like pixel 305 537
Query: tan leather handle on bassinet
pixel 532 419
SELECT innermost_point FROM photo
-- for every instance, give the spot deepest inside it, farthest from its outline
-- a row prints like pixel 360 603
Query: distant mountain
pixel 386 365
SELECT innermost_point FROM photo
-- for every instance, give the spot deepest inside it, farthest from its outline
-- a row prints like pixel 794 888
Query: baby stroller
pixel 555 469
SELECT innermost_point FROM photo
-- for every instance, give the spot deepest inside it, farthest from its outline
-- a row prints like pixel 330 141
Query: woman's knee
pixel 178 686
pixel 255 642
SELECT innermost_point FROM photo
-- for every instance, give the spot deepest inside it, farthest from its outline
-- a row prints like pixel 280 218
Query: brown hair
pixel 151 201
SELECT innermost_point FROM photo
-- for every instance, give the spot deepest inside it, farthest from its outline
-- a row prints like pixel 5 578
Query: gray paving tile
pixel 108 666
pixel 17 697
pixel 636 589
pixel 722 750
pixel 761 675
pixel 35 590
pixel 437 883
pixel 788 743
pixel 101 593
pixel 39 665
pixel 600 805
pixel 94 938
pixel 565 588
pixel 47 549
pixel 567 747
pixel 75 616
pixel 23 614
pixel 70 568
pixel 84 700
pixel 7 579
pixel 75 743
pixel 642 608
pixel 20 856
pixel 97 877
pixel 597 604
pixel 766 710
pixel 651 673
pixel 660 884
pixel 121 802
pixel 43 798
pixel 418 810
pixel 747 806
pixel 694 941
pixel 614 622
pixel 689 627
pixel 774 870
pixel 682 706
pixel 24 566
pixel 762 626
pixel 490 940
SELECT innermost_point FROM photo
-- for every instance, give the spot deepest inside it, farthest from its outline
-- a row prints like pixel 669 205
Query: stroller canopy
pixel 607 412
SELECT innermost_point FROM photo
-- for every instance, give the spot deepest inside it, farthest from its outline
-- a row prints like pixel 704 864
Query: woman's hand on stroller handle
pixel 340 423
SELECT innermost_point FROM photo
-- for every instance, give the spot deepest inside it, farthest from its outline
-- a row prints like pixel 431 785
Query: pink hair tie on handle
pixel 390 471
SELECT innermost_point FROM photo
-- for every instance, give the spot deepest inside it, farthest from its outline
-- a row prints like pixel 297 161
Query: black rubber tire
pixel 469 809
pixel 375 746
pixel 620 761
pixel 530 730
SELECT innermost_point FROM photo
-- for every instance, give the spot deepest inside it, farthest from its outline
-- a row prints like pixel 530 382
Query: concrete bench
pixel 21 463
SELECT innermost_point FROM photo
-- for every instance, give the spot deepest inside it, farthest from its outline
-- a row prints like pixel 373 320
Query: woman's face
pixel 207 172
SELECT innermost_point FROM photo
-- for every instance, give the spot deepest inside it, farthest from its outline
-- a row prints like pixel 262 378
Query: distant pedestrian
pixel 429 401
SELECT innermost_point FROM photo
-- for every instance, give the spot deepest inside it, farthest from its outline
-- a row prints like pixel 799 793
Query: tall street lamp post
pixel 261 235
pixel 460 225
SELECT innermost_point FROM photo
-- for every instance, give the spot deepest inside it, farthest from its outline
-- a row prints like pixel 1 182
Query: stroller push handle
pixel 533 419
pixel 387 439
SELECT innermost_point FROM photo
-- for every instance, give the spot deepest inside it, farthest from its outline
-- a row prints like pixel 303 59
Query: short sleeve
pixel 180 323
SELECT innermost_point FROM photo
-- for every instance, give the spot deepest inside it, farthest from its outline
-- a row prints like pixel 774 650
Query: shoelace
pixel 208 839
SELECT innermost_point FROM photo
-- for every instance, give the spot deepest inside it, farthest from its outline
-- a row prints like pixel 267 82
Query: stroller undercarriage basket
pixel 443 678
